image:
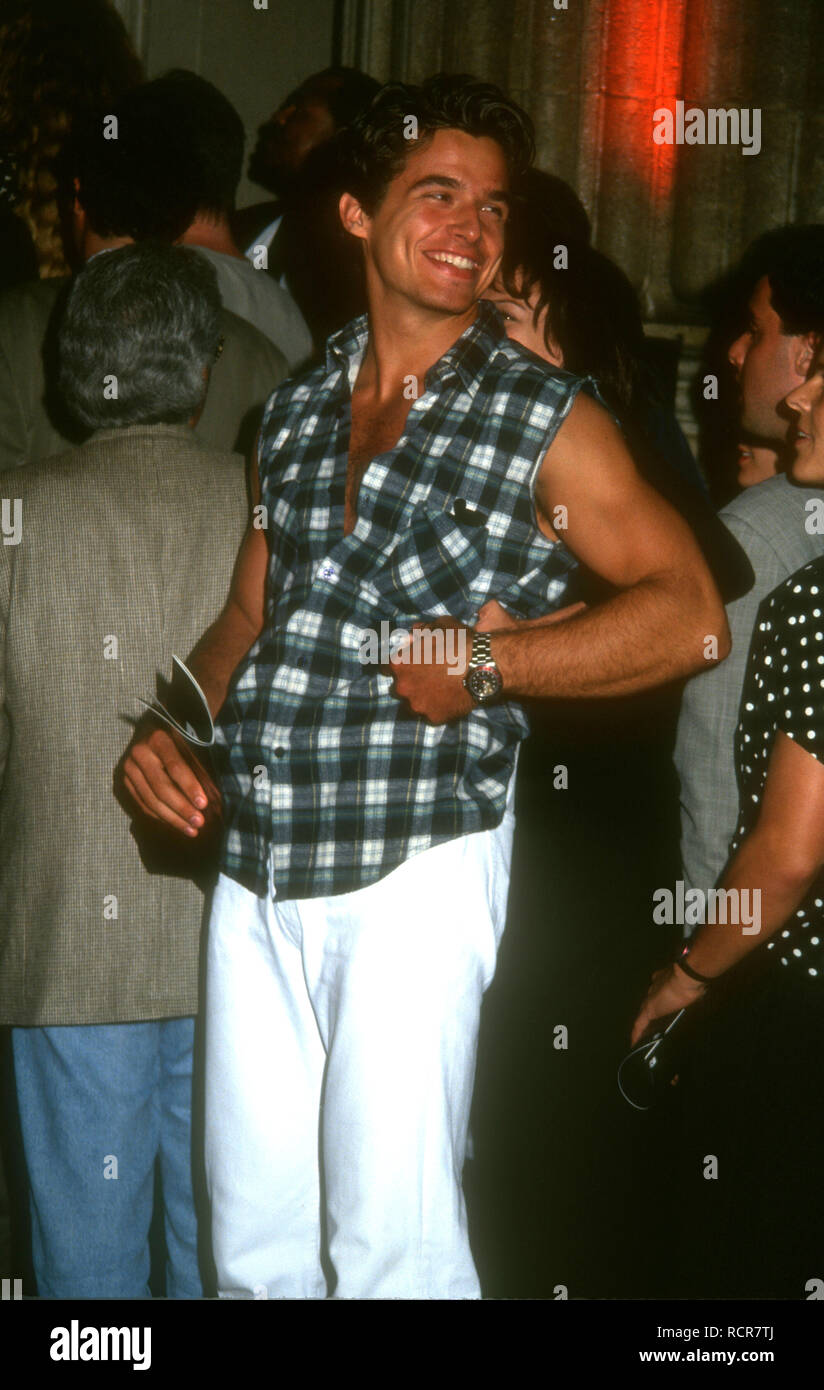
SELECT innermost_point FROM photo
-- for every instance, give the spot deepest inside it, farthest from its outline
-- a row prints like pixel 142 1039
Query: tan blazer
pixel 33 422
pixel 124 557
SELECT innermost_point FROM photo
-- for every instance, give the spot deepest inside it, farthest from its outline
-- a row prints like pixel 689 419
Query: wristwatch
pixel 483 678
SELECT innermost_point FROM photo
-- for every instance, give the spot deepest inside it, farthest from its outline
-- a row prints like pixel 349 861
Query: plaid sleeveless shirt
pixel 329 781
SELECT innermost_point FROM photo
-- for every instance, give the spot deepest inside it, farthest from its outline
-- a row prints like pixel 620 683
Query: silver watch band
pixel 481 649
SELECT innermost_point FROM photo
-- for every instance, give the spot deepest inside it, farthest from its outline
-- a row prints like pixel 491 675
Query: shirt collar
pixel 465 359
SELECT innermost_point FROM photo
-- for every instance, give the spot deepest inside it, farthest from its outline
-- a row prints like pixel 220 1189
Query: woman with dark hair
pixel 575 308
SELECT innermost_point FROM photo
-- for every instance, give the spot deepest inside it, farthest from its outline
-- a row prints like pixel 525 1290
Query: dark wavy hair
pixel 376 146
pixel 214 132
pixel 147 183
pixel 592 310
pixel 792 258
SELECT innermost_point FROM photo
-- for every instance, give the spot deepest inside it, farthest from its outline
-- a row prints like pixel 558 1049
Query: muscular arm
pixel 654 630
pixel 782 856
pixel 156 770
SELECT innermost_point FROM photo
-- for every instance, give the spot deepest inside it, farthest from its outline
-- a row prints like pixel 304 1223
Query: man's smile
pixel 454 264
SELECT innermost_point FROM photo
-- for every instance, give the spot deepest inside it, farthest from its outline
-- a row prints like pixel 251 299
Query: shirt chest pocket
pixel 438 564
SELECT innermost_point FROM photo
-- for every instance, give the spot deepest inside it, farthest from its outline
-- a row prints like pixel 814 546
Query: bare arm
pixel 655 629
pixel 157 771
pixel 781 857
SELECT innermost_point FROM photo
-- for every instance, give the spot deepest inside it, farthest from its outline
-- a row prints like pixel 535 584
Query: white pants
pixel 341 1045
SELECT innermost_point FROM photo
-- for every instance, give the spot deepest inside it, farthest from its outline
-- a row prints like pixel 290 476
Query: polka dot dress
pixel 784 691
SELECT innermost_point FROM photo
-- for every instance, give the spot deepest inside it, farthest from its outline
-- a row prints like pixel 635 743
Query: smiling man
pixel 420 474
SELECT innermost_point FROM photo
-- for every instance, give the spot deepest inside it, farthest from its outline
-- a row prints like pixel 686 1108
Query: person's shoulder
pixel 801 589
pixel 39 479
pixel 515 369
pixel 240 268
pixel 771 522
pixel 243 337
pixel 220 463
pixel 30 302
pixel 767 504
pixel 34 292
pixel 292 396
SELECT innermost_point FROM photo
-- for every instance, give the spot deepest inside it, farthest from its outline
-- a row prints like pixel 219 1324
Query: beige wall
pixel 254 56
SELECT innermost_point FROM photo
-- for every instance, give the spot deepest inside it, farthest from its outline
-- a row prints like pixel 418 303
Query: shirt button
pixel 279 752
pixel 301 662
pixel 327 571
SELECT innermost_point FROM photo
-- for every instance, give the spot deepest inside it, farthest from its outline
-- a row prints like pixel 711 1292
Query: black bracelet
pixel 681 962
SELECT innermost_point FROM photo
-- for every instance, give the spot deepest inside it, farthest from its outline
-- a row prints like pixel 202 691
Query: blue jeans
pixel 98 1105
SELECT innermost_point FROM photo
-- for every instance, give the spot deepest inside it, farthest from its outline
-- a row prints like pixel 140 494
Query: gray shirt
pixel 768 521
pixel 256 296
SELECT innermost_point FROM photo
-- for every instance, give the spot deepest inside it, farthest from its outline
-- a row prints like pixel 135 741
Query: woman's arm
pixel 778 863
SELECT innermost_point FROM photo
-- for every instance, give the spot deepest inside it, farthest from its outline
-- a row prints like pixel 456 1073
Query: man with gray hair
pixel 116 554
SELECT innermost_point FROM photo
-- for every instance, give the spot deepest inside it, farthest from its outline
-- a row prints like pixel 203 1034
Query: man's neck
pixel 214 234
pixel 405 341
pixel 93 244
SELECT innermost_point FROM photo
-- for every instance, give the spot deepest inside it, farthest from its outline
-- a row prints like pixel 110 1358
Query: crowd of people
pixel 411 392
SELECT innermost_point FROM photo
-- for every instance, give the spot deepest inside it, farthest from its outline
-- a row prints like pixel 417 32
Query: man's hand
pixel 429 668
pixel 669 991
pixel 493 618
pixel 167 782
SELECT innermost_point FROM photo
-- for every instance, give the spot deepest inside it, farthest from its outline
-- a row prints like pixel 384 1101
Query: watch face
pixel 484 683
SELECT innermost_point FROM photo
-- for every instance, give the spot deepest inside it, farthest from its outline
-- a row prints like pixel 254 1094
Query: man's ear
pixel 352 215
pixel 805 346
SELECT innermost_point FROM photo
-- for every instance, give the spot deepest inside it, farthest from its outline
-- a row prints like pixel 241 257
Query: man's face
pixel 756 463
pixel 807 436
pixel 303 122
pixel 766 363
pixel 437 238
